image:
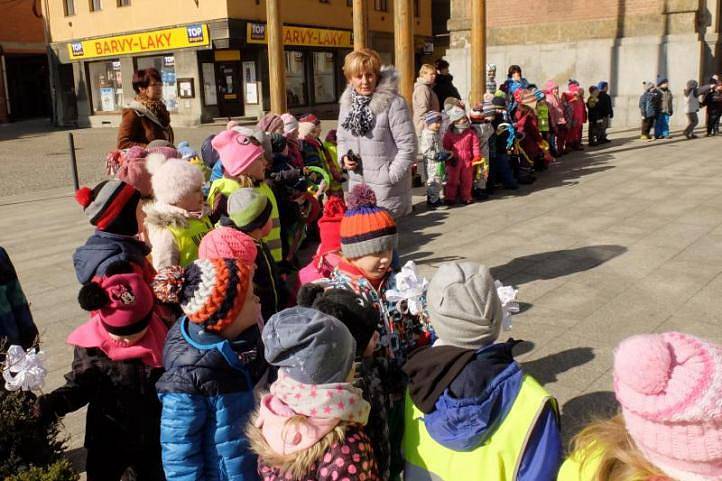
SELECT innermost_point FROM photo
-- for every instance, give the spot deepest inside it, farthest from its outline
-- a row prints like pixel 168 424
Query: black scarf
pixel 360 120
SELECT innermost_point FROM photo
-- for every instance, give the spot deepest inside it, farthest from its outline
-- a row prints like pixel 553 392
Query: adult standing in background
pixel 146 118
pixel 374 121
pixel 424 98
pixel 444 86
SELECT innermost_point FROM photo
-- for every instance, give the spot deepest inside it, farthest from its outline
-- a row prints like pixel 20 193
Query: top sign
pixel 302 36
pixel 153 41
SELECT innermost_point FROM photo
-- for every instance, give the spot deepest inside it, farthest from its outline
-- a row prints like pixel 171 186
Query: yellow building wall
pixel 152 14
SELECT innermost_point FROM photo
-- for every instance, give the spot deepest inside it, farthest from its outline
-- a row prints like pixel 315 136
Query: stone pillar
pixel 478 51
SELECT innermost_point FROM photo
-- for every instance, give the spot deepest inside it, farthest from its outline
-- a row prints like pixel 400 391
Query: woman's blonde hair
pixel 359 61
pixel 620 458
pixel 426 68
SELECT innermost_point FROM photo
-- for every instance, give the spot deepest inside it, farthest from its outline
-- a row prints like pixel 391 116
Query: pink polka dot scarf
pixel 323 405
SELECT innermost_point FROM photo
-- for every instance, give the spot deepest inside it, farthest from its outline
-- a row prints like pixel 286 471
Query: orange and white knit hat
pixel 366 228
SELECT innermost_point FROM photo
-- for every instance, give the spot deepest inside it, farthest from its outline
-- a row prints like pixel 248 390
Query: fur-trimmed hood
pixel 165 215
pixel 386 89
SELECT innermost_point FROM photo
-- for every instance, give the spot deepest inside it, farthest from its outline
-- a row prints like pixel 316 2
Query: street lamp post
pixel 404 46
pixel 359 24
pixel 478 51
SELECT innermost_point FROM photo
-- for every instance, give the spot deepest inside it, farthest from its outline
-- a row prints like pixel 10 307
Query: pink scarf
pixel 148 349
pixel 323 405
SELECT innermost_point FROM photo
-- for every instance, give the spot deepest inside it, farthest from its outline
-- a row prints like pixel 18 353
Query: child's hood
pixel 165 215
pixel 476 401
pixel 102 249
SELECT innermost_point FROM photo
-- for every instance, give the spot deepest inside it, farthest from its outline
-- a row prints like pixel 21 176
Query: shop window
pixel 95 5
pixel 381 5
pixel 295 79
pixel 165 64
pixel 69 8
pixel 124 3
pixel 106 85
pixel 324 77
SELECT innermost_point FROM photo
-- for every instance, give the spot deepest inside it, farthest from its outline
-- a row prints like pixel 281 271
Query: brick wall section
pixel 19 24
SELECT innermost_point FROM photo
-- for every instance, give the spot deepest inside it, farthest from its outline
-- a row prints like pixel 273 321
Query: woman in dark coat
pixel 146 118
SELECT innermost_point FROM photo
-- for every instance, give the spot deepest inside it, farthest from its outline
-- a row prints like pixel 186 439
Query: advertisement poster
pixel 107 99
pixel 249 81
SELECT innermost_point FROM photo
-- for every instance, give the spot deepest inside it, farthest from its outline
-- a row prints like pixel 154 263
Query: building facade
pixel 24 84
pixel 624 42
pixel 212 55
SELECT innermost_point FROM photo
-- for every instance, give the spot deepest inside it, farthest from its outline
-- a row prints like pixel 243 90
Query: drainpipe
pixel 4 95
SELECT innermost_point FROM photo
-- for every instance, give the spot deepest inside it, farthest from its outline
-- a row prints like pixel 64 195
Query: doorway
pixel 229 84
pixel 28 86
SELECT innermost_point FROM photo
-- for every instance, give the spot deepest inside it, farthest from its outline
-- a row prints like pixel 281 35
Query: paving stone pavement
pixel 608 243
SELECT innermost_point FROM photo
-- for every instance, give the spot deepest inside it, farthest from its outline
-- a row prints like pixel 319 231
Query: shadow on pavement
pixel 553 264
pixel 414 237
pixel 581 410
pixel 546 369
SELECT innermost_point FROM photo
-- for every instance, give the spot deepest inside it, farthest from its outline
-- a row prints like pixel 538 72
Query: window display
pixel 324 77
pixel 106 84
pixel 164 64
pixel 295 79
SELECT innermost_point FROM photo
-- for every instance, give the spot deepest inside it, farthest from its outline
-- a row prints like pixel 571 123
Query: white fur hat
pixel 305 128
pixel 173 179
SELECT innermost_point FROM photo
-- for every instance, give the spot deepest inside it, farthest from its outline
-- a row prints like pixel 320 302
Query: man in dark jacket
pixel 605 111
pixel 471 412
pixel 650 105
pixel 444 86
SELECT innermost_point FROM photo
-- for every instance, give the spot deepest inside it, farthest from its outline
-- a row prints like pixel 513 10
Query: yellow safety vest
pixel 273 239
pixel 188 238
pixel 226 187
pixel 579 467
pixel 499 458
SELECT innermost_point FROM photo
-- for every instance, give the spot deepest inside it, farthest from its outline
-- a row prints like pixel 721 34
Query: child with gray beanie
pixel 470 412
pixel 310 426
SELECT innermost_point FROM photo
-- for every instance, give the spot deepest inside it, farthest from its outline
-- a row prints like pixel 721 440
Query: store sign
pixel 166 39
pixel 301 36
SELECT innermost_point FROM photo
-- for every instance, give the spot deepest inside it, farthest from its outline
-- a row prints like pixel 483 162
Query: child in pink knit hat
pixel 243 165
pixel 669 387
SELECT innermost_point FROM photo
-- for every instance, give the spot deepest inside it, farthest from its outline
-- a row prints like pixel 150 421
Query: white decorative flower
pixel 410 288
pixel 24 370
pixel 509 304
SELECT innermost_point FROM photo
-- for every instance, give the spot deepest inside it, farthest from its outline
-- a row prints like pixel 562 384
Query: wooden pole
pixel 404 46
pixel 359 24
pixel 478 51
pixel 276 64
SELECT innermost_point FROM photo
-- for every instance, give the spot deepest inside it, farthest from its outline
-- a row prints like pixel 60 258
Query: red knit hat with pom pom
pixel 107 201
pixel 366 228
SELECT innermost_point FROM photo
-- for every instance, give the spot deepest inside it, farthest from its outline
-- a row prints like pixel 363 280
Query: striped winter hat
pixel 366 228
pixel 211 292
pixel 112 202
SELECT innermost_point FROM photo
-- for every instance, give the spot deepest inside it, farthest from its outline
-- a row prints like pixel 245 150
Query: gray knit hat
pixel 310 346
pixel 464 306
pixel 248 209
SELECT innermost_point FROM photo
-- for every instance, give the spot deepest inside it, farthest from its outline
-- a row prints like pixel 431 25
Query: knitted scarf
pixel 360 120
pixel 156 107
pixel 323 406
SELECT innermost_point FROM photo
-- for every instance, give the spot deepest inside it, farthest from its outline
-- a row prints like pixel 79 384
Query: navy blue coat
pixel 207 397
pixel 104 248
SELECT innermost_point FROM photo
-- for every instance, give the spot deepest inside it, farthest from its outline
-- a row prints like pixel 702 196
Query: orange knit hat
pixel 366 228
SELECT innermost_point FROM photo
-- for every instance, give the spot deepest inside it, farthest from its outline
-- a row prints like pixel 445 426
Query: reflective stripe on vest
pixel 188 238
pixel 499 458
pixel 273 239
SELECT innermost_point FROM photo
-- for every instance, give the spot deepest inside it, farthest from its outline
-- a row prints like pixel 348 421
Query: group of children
pixel 516 131
pixel 200 360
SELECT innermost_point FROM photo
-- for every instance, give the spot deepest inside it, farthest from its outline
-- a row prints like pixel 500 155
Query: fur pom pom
pixel 361 196
pixel 334 207
pixel 92 297
pixel 154 162
pixel 84 196
pixel 168 284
